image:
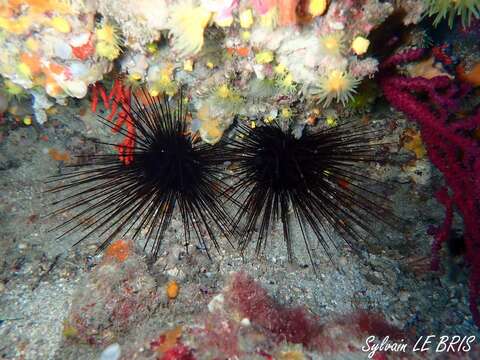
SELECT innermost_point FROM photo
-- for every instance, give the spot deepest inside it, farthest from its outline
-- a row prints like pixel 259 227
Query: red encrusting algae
pixel 120 96
pixel 296 325
pixel 178 352
pixel 451 147
pixel 245 322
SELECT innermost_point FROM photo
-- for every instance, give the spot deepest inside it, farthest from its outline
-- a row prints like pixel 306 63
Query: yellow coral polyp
pixel 280 69
pixel 136 76
pixel 61 24
pixel 152 48
pixel 107 45
pixel 360 45
pixel 246 35
pixel 43 6
pixel 268 119
pixel 223 91
pixel 287 81
pixel 337 81
pixel 134 79
pixel 154 92
pixel 107 50
pixel 16 26
pixel 187 23
pixel 32 44
pixel 24 70
pixel 246 19
pixel 27 120
pixel 106 33
pixel 210 130
pixel 338 85
pixel 269 19
pixel 188 65
pixel 284 79
pixel 286 113
pixel 264 57
pixel 331 121
pixel 333 43
pixel 166 74
pixel 163 81
pixel 317 7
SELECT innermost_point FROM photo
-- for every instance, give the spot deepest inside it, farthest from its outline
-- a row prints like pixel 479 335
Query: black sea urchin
pixel 318 180
pixel 169 172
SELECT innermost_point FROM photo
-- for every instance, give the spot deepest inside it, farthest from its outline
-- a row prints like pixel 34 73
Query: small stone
pixel 112 352
pixel 245 322
pixel 404 296
pixel 216 304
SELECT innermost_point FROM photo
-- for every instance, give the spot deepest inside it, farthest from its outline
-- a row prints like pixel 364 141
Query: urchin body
pixel 317 180
pixel 170 172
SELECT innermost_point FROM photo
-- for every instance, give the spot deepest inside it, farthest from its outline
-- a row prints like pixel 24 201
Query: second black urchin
pixel 167 171
pixel 318 180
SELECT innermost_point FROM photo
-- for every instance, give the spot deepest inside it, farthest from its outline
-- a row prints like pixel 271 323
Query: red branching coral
pixel 120 96
pixel 400 58
pixel 451 148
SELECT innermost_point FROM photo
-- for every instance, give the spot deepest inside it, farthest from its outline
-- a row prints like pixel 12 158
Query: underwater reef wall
pixel 251 59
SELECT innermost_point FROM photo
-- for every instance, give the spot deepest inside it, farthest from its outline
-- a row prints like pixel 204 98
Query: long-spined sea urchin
pixel 169 172
pixel 318 180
